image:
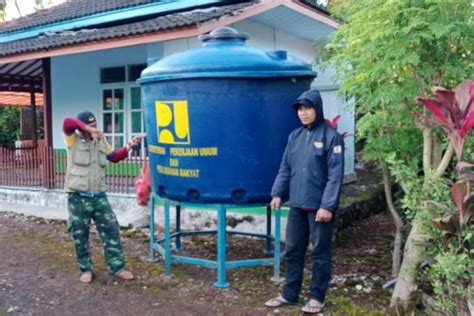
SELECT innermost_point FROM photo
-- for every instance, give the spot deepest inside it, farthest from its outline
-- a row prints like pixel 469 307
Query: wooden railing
pixel 43 167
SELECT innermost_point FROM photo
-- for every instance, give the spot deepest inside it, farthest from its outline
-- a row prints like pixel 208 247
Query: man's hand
pixel 275 203
pixel 323 215
pixel 96 135
pixel 136 140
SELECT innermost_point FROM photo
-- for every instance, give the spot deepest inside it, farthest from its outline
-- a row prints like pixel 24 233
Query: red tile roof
pixel 20 99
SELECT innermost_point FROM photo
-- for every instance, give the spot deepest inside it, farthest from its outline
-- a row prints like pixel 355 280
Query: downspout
pixel 33 117
pixel 48 161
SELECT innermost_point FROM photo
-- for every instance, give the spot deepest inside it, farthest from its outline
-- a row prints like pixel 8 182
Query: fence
pixel 45 167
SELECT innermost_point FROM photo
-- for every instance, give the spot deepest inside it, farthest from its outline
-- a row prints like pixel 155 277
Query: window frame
pixel 114 86
pixel 127 111
pixel 131 134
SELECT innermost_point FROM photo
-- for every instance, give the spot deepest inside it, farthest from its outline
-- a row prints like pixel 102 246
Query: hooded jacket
pixel 312 167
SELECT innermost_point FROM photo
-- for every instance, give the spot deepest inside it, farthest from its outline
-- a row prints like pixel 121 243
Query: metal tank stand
pixel 167 250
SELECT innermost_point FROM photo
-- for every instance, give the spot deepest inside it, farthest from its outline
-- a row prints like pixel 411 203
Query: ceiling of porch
pixel 22 76
pixel 18 80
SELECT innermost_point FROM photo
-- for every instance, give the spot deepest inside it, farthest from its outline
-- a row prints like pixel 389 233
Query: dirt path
pixel 38 275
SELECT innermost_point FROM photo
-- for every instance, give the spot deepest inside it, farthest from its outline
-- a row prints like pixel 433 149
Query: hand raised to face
pixel 136 140
pixel 93 132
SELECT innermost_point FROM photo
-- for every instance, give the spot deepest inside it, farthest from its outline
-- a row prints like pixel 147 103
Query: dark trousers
pixel 300 228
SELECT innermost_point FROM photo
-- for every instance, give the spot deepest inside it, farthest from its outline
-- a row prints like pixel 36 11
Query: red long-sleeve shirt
pixel 71 124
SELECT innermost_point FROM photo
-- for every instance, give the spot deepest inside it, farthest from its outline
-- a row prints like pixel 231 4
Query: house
pixel 87 55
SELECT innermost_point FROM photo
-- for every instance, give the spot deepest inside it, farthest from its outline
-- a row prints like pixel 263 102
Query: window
pixel 114 116
pixel 134 71
pixel 137 120
pixel 122 108
pixel 112 75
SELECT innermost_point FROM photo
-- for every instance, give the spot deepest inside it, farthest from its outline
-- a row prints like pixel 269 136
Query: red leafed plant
pixel 333 124
pixel 450 222
pixel 453 111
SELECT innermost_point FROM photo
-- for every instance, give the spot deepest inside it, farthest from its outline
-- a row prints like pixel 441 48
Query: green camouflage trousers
pixel 81 211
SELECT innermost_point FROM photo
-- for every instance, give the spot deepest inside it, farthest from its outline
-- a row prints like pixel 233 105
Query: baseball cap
pixel 86 117
pixel 304 102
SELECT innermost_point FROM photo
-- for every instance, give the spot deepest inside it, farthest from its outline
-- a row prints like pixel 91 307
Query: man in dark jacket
pixel 310 178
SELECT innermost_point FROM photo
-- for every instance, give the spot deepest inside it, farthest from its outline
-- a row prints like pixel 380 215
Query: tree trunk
pixel 397 244
pixel 470 305
pixel 427 150
pixel 448 155
pixel 437 151
pixel 397 252
pixel 416 242
pixel 412 256
pixel 17 8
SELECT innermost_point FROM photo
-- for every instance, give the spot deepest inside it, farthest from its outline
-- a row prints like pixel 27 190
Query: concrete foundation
pixel 359 200
pixel 52 204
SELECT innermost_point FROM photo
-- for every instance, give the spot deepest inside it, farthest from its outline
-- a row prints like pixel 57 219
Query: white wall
pixel 267 38
pixel 261 36
pixel 76 80
pixel 176 46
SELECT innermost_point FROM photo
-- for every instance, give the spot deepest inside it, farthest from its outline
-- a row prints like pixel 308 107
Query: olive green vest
pixel 86 163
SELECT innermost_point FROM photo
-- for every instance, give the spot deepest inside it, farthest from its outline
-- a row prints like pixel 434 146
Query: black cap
pixel 303 102
pixel 86 117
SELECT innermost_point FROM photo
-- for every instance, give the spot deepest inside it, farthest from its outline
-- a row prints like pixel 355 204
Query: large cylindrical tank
pixel 218 118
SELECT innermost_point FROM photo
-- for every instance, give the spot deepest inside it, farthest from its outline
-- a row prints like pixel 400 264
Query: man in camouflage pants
pixel 88 153
pixel 81 211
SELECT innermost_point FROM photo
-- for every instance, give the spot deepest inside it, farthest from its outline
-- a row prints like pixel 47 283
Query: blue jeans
pixel 300 228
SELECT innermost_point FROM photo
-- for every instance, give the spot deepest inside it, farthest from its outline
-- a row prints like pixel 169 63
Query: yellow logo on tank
pixel 172 122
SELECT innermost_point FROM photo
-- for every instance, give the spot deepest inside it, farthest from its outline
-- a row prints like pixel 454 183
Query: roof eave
pixel 105 44
pixel 175 33
pixel 102 17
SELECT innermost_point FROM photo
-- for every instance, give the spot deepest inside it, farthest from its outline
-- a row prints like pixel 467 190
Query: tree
pixel 388 52
pixel 38 4
pixel 2 10
pixel 3 6
pixel 9 125
pixel 41 4
pixel 451 268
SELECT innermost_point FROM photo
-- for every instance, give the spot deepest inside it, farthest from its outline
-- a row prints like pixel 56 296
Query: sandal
pixel 312 308
pixel 277 302
pixel 124 275
pixel 86 277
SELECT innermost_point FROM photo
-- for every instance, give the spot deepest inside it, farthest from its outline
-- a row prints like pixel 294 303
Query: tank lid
pixel 224 54
pixel 224 33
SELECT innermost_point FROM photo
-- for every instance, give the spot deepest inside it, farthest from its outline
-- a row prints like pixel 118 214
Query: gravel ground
pixel 39 276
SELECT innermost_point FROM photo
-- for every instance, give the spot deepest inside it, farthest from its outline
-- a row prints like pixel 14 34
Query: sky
pixel 26 7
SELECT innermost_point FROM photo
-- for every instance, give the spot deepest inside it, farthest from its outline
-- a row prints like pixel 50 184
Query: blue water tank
pixel 218 118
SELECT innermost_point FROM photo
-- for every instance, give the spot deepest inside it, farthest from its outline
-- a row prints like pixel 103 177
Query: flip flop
pixel 277 302
pixel 124 275
pixel 86 277
pixel 309 308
